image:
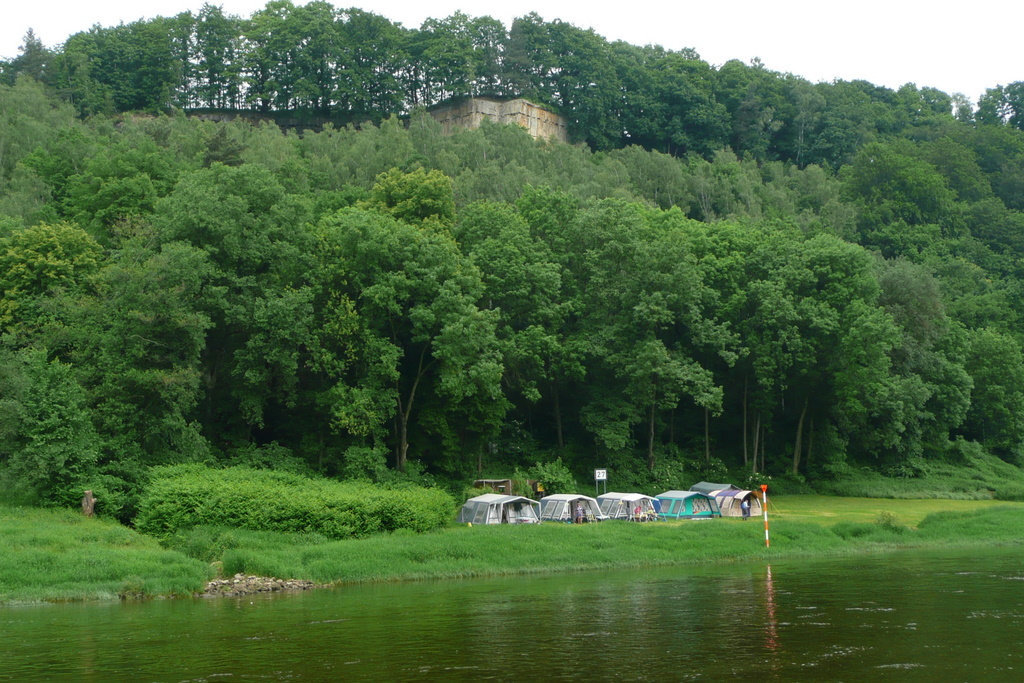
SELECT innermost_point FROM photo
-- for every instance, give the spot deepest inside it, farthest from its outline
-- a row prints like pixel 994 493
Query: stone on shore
pixel 241 584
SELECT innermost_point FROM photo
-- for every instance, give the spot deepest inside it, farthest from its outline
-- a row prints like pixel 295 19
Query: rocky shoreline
pixel 242 584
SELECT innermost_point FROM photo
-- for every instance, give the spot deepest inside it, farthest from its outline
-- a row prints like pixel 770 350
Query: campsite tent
pixel 561 507
pixel 687 505
pixel 636 507
pixel 729 502
pixel 710 488
pixel 494 508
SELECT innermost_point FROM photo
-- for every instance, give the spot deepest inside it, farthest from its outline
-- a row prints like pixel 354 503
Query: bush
pixel 272 456
pixel 1009 491
pixel 554 476
pixel 186 496
pixel 885 528
pixel 670 475
pixel 711 469
pixel 365 462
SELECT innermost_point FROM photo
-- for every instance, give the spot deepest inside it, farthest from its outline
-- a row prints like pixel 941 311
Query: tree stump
pixel 88 504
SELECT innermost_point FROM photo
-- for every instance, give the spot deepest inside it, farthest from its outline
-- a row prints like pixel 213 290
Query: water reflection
pixel 771 635
pixel 866 619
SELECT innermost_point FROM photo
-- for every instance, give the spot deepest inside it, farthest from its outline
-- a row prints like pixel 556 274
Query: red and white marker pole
pixel 764 506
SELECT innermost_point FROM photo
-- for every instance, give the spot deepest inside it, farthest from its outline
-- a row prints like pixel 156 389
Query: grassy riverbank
pixel 58 555
pixel 55 555
pixel 459 552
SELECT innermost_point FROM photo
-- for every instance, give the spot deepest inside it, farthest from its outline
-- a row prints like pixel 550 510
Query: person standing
pixel 745 508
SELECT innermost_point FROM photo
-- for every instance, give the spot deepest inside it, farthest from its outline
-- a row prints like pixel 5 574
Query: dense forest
pixel 731 272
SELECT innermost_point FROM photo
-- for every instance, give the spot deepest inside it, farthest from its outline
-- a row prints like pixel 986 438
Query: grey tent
pixel 561 507
pixel 636 507
pixel 494 508
pixel 710 487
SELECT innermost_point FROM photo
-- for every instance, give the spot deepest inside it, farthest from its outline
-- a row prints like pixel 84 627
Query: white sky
pixel 955 47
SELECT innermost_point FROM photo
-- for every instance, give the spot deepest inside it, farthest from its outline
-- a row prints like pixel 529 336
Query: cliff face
pixel 539 122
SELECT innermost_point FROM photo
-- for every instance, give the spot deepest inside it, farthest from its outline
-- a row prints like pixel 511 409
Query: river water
pixel 909 616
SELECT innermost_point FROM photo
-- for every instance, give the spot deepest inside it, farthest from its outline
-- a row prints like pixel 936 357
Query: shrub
pixel 851 530
pixel 710 469
pixel 186 496
pixel 365 462
pixel 889 522
pixel 474 491
pixel 554 476
pixel 670 475
pixel 1009 491
pixel 884 529
pixel 272 456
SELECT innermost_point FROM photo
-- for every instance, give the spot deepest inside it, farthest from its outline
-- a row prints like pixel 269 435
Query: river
pixel 908 616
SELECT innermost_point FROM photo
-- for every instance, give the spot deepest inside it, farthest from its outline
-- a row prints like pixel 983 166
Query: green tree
pixel 252 231
pixel 137 347
pixel 374 54
pixel 996 366
pixel 645 318
pixel 217 54
pixel 316 63
pixel 269 56
pixel 38 262
pixel 415 294
pixel 49 444
pixel 29 120
pixel 416 196
pixel 904 203
pixel 131 67
pixel 446 51
pixel 33 61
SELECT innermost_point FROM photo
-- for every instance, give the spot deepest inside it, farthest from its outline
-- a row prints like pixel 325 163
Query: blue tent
pixel 687 505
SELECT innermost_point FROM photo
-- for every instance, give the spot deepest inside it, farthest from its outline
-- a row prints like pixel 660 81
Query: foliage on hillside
pixel 794 297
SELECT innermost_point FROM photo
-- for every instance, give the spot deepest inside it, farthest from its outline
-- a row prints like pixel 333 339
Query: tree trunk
pixel 402 453
pixel 757 434
pixel 672 427
pixel 403 415
pixel 558 420
pixel 88 504
pixel 650 441
pixel 798 444
pixel 707 437
pixel 745 460
pixel 764 468
pixel 810 443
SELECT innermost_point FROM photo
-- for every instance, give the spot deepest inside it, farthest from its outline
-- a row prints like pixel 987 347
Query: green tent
pixel 687 505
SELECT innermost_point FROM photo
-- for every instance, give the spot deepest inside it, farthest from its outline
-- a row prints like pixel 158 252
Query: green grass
pixel 828 510
pixel 53 555
pixel 799 526
pixel 56 555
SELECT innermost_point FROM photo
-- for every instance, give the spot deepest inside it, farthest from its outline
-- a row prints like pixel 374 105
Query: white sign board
pixel 600 475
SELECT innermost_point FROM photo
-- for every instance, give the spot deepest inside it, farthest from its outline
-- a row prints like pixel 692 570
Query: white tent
pixel 636 507
pixel 494 508
pixel 730 502
pixel 561 507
